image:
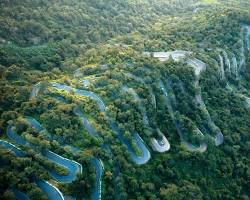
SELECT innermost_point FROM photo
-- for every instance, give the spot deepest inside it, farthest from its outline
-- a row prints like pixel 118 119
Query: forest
pixel 126 100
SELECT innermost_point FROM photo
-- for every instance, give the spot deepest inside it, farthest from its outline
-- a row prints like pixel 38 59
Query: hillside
pixel 125 99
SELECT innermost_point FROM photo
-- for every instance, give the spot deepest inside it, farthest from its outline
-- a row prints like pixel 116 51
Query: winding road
pixel 202 147
pixel 198 67
pixel 137 159
pixel 51 191
pixel 142 159
pixel 157 145
pixel 235 67
pixel 72 167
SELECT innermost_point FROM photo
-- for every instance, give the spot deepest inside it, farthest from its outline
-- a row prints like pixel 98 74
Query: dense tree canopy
pixel 102 46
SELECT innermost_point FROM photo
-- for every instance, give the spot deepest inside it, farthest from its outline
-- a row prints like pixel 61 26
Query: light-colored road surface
pixel 198 66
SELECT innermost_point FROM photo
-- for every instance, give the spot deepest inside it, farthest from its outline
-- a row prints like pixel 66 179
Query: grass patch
pixel 210 1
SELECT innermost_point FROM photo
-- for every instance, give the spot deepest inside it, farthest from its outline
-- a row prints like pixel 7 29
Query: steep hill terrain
pixel 125 99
